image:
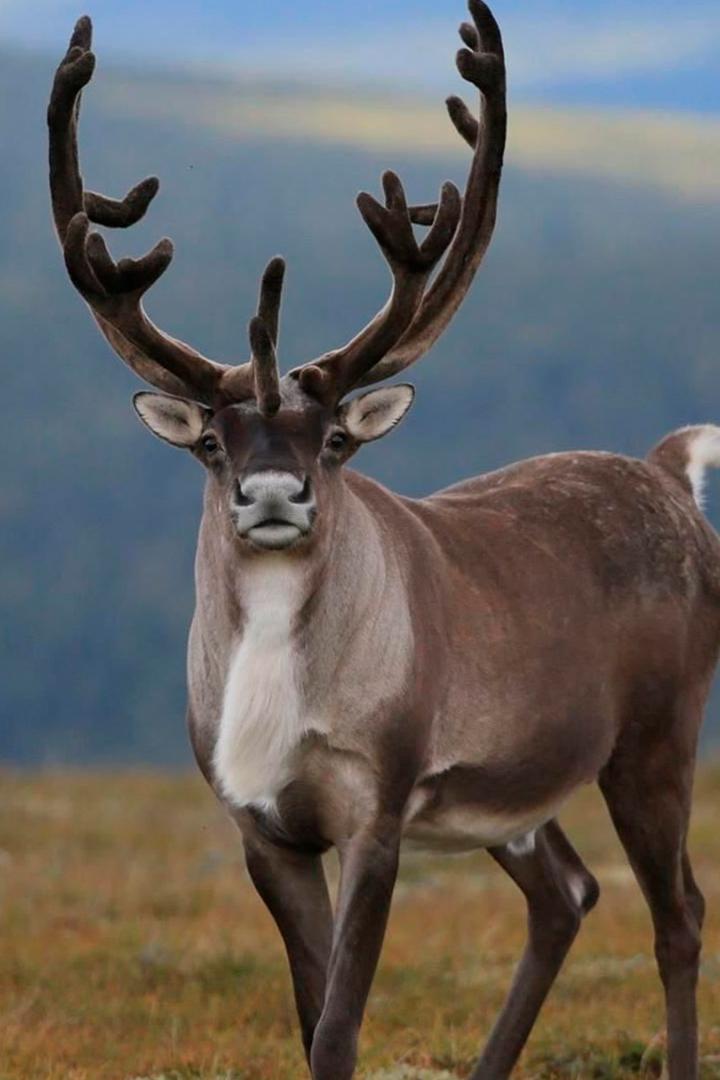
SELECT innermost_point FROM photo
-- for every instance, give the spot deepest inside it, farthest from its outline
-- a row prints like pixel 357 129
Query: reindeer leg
pixel 293 887
pixel 559 890
pixel 368 870
pixel 648 794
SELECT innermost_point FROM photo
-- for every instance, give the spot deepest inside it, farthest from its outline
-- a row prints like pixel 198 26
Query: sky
pixel 631 54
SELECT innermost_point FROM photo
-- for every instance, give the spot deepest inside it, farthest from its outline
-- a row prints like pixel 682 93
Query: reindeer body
pixel 477 691
pixel 366 669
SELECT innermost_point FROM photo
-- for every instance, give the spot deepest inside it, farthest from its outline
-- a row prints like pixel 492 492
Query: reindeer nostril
pixel 241 499
pixel 305 493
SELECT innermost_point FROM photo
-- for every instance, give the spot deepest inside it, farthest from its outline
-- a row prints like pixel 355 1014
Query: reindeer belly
pixel 468 826
pixel 491 804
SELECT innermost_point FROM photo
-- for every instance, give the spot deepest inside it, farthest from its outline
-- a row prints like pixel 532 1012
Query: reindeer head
pixel 275 473
pixel 274 446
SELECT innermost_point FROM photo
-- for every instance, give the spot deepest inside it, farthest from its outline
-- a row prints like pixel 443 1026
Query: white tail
pixel 687 454
pixel 703 450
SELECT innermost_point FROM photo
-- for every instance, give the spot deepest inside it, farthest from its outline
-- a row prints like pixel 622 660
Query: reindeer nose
pixel 273 509
pixel 273 488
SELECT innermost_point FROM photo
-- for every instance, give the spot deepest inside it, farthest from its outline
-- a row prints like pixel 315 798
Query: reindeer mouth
pixel 273 534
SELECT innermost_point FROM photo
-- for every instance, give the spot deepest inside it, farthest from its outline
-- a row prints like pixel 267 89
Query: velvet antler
pixel 415 316
pixel 114 291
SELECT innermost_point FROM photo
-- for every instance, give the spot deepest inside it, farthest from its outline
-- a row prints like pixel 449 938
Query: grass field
pixel 132 946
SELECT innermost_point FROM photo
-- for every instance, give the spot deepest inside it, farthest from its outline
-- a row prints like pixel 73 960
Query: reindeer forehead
pixel 301 425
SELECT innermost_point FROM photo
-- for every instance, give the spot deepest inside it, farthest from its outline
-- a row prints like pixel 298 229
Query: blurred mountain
pixel 594 323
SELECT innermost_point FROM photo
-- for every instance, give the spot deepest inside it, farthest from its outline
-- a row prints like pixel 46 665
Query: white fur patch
pixel 703 450
pixel 523 845
pixel 576 886
pixel 262 716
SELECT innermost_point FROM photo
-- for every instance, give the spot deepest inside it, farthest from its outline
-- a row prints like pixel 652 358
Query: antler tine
pixel 482 63
pixel 465 123
pixel 73 74
pixel 424 214
pixel 121 213
pixel 263 332
pixel 261 374
pixel 265 369
pixel 411 265
pixel 114 291
pixel 271 296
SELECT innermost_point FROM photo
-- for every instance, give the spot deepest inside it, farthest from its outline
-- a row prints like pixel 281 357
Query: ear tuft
pixel 176 420
pixel 372 415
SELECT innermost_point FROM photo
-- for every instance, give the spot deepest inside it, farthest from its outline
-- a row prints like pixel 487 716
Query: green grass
pixel 132 947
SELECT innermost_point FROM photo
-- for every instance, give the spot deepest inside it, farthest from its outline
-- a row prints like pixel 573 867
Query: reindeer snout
pixel 273 509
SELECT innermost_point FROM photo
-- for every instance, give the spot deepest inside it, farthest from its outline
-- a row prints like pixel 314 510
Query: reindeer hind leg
pixel 559 891
pixel 648 794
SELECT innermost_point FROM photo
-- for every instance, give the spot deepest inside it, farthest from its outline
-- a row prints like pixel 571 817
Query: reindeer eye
pixel 210 444
pixel 337 440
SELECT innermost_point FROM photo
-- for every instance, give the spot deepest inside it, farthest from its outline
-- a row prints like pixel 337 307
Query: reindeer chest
pixel 275 696
pixel 263 717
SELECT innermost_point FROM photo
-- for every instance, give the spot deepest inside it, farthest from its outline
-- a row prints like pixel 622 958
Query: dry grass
pixel 133 946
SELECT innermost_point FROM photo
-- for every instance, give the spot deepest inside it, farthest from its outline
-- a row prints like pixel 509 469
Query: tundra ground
pixel 133 946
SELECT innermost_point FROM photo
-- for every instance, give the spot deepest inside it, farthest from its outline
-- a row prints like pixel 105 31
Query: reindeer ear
pixel 176 420
pixel 372 415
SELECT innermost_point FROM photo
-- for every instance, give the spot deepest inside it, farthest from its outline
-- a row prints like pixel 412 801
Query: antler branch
pixel 481 62
pixel 114 291
pixel 416 315
pixel 411 265
pixel 270 297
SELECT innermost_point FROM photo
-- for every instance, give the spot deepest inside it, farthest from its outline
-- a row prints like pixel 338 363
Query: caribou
pixel 366 669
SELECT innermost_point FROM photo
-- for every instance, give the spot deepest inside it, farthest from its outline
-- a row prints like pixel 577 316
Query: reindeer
pixel 366 668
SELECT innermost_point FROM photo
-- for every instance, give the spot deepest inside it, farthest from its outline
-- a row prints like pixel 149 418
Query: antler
pixel 114 291
pixel 414 318
pixel 263 334
pixel 410 322
pixel 411 265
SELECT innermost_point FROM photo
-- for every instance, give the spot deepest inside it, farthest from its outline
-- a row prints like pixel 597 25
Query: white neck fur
pixel 262 717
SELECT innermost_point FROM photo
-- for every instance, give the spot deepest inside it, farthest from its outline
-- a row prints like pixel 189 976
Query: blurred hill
pixel 595 323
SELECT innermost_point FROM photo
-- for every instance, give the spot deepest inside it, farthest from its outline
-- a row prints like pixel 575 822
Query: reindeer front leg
pixel 293 887
pixel 369 862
